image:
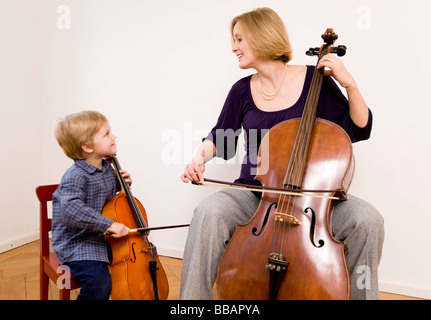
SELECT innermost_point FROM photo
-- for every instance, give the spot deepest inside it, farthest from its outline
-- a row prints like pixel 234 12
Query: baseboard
pixel 405 290
pixel 170 252
pixel 15 243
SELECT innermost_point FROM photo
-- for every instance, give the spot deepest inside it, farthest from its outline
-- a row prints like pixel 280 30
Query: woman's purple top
pixel 239 111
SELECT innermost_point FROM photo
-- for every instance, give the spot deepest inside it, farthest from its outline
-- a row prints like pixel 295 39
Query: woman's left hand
pixel 357 106
pixel 337 70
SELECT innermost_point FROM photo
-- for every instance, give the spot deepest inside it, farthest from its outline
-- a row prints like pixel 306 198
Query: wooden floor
pixel 19 276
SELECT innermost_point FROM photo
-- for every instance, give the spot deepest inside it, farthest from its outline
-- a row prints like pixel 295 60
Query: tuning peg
pixel 312 52
pixel 339 50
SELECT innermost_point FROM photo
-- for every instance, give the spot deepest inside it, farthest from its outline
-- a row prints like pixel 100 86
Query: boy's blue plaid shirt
pixel 77 223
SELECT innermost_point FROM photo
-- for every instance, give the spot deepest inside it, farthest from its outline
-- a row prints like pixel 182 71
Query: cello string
pixel 283 199
pixel 286 206
pixel 280 206
pixel 291 179
pixel 133 205
pixel 297 162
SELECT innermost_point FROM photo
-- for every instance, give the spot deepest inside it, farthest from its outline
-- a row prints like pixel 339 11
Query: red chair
pixel 48 260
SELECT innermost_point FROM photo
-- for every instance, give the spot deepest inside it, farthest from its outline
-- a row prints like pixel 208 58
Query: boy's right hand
pixel 118 230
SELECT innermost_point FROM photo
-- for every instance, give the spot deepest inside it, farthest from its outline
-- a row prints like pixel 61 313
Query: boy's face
pixel 104 142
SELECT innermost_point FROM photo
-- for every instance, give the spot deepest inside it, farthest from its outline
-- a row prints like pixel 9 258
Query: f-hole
pixel 134 255
pixel 312 228
pixel 265 220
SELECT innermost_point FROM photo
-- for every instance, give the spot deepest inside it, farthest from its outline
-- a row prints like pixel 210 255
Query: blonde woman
pixel 276 92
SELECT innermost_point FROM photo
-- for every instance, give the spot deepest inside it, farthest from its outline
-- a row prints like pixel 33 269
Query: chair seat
pixel 51 265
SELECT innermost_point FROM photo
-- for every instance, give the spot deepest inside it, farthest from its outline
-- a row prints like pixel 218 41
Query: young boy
pixel 77 223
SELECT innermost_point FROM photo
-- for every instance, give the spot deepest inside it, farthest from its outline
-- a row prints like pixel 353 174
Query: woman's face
pixel 240 47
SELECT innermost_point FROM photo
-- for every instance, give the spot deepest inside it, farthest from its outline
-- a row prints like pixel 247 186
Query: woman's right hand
pixel 193 172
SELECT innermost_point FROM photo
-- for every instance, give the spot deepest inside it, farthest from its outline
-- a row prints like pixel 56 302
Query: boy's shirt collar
pixel 90 168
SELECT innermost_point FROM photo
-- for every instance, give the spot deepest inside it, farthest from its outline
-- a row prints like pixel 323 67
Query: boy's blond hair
pixel 265 33
pixel 77 130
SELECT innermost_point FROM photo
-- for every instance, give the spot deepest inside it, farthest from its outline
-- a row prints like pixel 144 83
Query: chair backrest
pixel 44 194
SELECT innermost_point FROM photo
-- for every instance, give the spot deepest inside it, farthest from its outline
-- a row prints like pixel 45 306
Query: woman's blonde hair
pixel 265 33
pixel 77 130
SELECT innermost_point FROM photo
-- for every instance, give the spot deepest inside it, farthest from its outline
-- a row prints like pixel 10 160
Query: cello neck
pixel 125 188
pixel 310 108
pixel 296 167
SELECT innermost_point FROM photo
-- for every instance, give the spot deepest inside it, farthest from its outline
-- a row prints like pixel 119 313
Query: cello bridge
pixel 283 217
pixel 146 250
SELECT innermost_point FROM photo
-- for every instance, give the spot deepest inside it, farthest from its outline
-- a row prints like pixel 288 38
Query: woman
pixel 276 92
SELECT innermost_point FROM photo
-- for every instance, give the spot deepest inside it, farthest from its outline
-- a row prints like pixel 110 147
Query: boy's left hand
pixel 126 176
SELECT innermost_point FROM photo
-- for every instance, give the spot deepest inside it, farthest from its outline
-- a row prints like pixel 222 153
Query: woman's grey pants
pixel 354 221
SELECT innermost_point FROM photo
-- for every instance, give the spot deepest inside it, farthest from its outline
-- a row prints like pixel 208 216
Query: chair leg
pixel 64 294
pixel 44 286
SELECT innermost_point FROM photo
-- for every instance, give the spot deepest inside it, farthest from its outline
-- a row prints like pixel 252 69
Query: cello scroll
pixel 329 37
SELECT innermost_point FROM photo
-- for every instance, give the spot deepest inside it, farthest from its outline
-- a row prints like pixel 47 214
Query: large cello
pixel 136 271
pixel 287 250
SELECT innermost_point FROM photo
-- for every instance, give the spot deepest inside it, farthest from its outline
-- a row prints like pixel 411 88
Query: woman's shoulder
pixel 240 90
pixel 242 83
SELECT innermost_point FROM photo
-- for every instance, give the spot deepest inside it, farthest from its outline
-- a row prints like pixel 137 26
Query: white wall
pixel 160 71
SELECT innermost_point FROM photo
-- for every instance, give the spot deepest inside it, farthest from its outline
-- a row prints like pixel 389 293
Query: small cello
pixel 136 271
pixel 287 250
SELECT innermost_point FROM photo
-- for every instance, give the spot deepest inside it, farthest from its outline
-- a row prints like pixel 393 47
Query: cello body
pixel 314 272
pixel 287 250
pixel 136 271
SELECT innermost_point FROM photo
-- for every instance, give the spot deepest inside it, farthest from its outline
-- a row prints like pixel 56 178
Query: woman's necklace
pixel 271 96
